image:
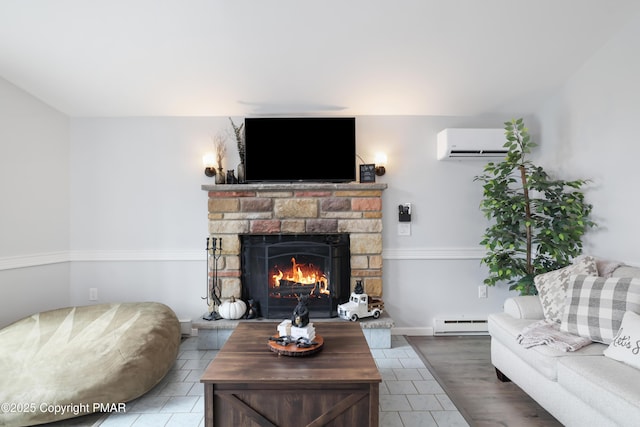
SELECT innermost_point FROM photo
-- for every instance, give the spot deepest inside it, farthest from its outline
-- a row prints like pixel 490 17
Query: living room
pixel 98 196
pixel 114 203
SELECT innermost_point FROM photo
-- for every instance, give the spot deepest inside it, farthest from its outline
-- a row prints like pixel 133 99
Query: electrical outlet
pixel 404 229
pixel 93 294
pixel 482 291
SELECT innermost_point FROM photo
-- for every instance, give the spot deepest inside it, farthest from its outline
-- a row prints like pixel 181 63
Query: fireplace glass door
pixel 278 269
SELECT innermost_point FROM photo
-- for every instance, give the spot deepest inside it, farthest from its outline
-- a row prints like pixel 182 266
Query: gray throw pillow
pixel 552 286
pixel 596 305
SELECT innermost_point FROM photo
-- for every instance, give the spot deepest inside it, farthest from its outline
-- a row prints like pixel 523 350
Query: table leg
pixel 374 402
pixel 208 405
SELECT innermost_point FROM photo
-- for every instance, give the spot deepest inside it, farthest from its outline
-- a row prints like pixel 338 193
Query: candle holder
pixel 214 252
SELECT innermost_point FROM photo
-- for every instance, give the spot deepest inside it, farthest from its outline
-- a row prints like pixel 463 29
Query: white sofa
pixel 581 388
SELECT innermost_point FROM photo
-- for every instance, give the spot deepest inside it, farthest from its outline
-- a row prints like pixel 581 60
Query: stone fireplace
pixel 306 212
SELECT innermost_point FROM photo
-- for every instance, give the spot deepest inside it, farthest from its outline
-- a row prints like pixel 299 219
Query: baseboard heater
pixel 444 326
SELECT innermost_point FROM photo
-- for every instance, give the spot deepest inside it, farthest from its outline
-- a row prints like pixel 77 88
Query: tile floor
pixel 409 396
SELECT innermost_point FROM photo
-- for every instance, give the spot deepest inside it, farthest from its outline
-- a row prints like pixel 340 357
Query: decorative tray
pixel 287 346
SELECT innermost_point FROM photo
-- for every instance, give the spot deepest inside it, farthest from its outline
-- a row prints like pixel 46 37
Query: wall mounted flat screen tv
pixel 299 149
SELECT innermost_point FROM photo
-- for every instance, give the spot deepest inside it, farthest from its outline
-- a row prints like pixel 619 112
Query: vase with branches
pixel 220 150
pixel 537 222
pixel 238 133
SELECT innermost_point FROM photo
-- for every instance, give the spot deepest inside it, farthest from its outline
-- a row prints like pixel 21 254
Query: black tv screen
pixel 314 149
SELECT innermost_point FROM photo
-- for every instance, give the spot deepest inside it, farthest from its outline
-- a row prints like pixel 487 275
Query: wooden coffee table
pixel 247 384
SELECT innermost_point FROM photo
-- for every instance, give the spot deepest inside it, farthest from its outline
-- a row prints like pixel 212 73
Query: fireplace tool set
pixel 214 251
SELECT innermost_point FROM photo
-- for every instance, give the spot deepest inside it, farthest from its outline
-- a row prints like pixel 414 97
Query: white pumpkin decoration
pixel 232 308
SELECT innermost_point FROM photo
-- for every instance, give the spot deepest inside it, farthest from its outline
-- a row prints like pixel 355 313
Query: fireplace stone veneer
pixel 298 208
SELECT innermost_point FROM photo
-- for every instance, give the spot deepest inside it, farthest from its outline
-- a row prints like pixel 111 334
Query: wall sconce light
pixel 209 161
pixel 381 162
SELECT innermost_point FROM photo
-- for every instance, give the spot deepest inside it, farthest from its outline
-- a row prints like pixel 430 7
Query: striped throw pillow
pixel 595 306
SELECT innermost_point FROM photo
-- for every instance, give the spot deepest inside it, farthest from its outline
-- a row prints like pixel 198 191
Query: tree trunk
pixel 527 216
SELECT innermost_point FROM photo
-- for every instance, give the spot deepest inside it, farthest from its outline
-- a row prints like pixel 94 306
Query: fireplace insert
pixel 278 269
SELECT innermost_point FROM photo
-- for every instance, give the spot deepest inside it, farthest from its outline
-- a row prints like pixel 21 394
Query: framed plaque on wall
pixel 368 173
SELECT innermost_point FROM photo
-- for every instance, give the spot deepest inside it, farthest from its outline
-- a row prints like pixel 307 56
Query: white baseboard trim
pixel 418 331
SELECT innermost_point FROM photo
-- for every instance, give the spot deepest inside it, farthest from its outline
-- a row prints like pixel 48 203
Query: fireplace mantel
pixel 298 208
pixel 293 186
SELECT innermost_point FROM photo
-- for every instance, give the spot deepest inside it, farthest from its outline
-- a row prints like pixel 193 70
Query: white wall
pixel 139 217
pixel 34 214
pixel 435 271
pixel 592 123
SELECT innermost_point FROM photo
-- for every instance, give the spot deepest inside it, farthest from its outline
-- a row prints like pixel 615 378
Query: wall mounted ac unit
pixel 459 326
pixel 461 144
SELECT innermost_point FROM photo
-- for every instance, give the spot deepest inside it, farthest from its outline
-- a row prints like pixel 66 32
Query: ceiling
pixel 251 57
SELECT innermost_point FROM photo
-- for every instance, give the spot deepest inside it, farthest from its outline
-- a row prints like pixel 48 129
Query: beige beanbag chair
pixel 70 357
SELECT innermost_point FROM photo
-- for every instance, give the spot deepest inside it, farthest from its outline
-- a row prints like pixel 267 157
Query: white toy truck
pixel 359 306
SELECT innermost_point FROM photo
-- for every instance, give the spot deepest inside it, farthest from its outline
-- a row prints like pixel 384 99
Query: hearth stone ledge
pixel 213 334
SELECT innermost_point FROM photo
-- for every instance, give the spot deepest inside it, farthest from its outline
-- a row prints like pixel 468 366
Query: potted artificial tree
pixel 537 222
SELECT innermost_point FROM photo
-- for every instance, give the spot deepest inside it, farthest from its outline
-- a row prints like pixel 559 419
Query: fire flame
pixel 304 274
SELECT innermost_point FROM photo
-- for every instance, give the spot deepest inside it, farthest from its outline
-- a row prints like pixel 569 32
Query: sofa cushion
pixel 625 346
pixel 605 384
pixel 626 271
pixel 552 286
pixel 607 267
pixel 504 328
pixel 595 306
